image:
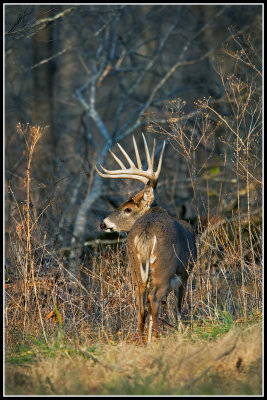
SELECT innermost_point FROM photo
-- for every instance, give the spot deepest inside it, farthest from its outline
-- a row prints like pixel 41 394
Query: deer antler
pixel 136 172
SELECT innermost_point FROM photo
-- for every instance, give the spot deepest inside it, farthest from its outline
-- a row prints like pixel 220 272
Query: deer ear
pixel 138 197
pixel 146 195
pixel 149 195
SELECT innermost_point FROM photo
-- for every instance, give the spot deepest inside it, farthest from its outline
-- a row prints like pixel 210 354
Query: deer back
pixel 159 246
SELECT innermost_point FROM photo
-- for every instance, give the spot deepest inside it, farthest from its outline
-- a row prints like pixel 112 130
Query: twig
pixel 167 323
pixel 91 243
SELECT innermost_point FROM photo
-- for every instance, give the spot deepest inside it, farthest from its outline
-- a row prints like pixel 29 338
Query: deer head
pixel 123 218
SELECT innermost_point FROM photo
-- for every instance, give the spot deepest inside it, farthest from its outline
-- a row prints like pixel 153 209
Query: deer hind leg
pixel 154 298
pixel 141 316
pixel 178 285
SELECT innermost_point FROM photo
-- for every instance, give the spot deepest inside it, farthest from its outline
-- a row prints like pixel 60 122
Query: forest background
pixel 79 79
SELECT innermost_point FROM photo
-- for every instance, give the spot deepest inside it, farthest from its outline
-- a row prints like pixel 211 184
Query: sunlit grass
pixel 176 364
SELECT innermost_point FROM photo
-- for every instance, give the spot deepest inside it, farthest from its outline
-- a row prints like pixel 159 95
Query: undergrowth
pixel 52 324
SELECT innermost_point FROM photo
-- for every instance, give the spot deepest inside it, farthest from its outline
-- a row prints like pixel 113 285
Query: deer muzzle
pixel 107 225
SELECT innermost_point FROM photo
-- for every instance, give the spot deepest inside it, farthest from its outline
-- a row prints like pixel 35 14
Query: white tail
pixel 161 250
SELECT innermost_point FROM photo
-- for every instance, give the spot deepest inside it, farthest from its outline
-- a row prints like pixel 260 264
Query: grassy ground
pixel 191 363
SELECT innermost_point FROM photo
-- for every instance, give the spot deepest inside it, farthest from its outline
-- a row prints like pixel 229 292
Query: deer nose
pixel 103 226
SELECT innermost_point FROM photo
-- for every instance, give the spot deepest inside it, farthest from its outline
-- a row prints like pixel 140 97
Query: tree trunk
pixel 42 112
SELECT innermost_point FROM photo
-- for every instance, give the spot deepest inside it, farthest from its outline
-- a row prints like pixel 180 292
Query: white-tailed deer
pixel 161 250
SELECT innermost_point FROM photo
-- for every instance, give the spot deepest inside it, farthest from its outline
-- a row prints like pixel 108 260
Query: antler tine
pixel 139 163
pixel 117 159
pixel 149 164
pixel 160 160
pixel 153 152
pixel 126 156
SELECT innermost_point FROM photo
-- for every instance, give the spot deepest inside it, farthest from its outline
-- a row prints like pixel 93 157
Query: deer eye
pixel 128 210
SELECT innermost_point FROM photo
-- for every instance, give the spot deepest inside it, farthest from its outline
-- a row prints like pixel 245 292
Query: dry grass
pixel 215 299
pixel 174 365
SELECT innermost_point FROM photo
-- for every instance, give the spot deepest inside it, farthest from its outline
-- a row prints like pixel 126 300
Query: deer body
pixel 161 250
